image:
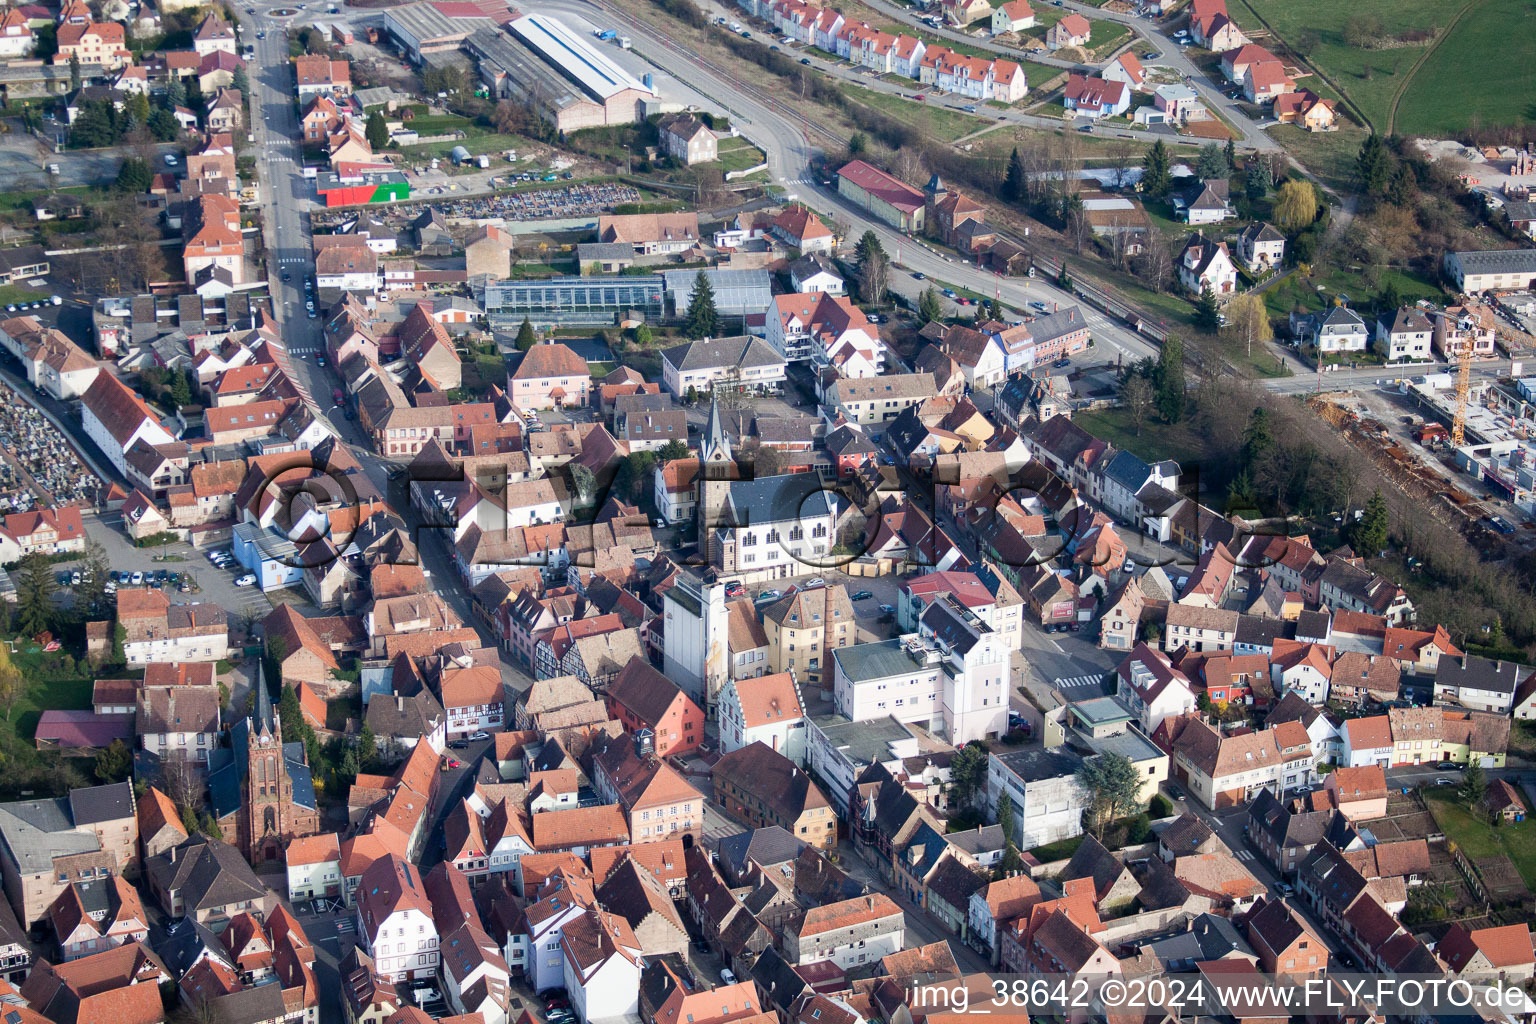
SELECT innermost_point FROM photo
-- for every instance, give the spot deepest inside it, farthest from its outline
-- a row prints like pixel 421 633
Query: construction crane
pixel 1463 392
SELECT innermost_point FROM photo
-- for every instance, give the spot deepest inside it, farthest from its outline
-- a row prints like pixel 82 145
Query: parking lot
pixel 214 585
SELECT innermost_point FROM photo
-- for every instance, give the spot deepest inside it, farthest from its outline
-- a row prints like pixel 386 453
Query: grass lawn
pixel 476 144
pixel 1180 441
pixel 1060 850
pixel 1329 155
pixel 11 294
pixel 1456 83
pixel 23 200
pixel 40 696
pixel 1315 292
pixel 1367 77
pixel 738 154
pixel 933 120
pixel 439 124
pixel 1516 840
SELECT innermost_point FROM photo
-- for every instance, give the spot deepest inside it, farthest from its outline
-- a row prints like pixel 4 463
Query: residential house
pixel 1260 247
pixel 1207 264
pixel 1073 30
pixel 763 787
pixel 1095 97
pixel 1404 335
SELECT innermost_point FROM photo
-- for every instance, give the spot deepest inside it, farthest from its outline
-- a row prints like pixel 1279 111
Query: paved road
pixel 1368 376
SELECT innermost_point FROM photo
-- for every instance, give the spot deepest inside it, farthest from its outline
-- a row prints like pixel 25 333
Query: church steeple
pixel 717 444
pixel 263 718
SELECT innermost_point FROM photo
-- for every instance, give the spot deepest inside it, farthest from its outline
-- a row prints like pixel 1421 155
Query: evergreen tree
pixel 1212 164
pixel 1373 166
pixel 1251 186
pixel 643 336
pixel 1231 155
pixel 240 80
pixel 1257 438
pixel 873 268
pixel 1169 378
pixel 134 176
pixel 35 588
pixel 74 72
pixel 1266 175
pixel 1005 817
pixel 1474 784
pixel 1403 188
pixel 526 339
pixel 1156 175
pixel 702 319
pixel 114 762
pixel 181 390
pixel 377 132
pixel 929 306
pixel 1369 532
pixel 367 747
pixel 1207 312
pixel 1390 298
pixel 175 93
pixel 967 774
pixel 162 125
pixel 1014 184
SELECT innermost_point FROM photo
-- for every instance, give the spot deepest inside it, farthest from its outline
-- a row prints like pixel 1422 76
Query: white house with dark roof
pixel 1205 263
pixel 741 361
pixel 1260 247
pixel 1406 334
pixel 394 920
pixel 116 418
pixel 1340 329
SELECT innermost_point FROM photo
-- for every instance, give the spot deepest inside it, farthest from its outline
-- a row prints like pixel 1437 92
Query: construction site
pixel 1465 448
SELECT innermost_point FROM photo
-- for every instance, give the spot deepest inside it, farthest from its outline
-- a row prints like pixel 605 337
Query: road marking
pixel 1073 681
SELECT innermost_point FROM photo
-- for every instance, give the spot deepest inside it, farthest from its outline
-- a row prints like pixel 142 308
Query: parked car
pixel 728 976
pixel 138 579
pixel 814 582
pixel 478 736
pixel 1445 782
pixel 248 580
pixel 861 595
pixel 1038 306
pixel 734 589
pixel 1285 889
pixel 805 60
pixel 918 275
pixel 768 595
pixel 1063 361
pixel 887 609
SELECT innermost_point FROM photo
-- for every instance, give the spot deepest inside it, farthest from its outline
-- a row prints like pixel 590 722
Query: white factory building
pixel 576 84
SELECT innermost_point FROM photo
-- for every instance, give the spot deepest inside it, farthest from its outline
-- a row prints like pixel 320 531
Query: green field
pixel 1318 291
pixel 937 122
pixel 1181 442
pixel 1485 68
pixel 1367 77
pixel 1477 839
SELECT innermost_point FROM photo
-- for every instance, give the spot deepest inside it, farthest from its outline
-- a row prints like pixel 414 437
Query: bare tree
pixel 180 782
pixel 1119 153
pixel 1156 264
pixel 1137 394
pixel 1078 227
pixel 1120 236
pixel 909 165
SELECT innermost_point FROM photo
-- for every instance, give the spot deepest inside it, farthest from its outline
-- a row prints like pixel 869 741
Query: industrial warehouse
pixel 569 82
